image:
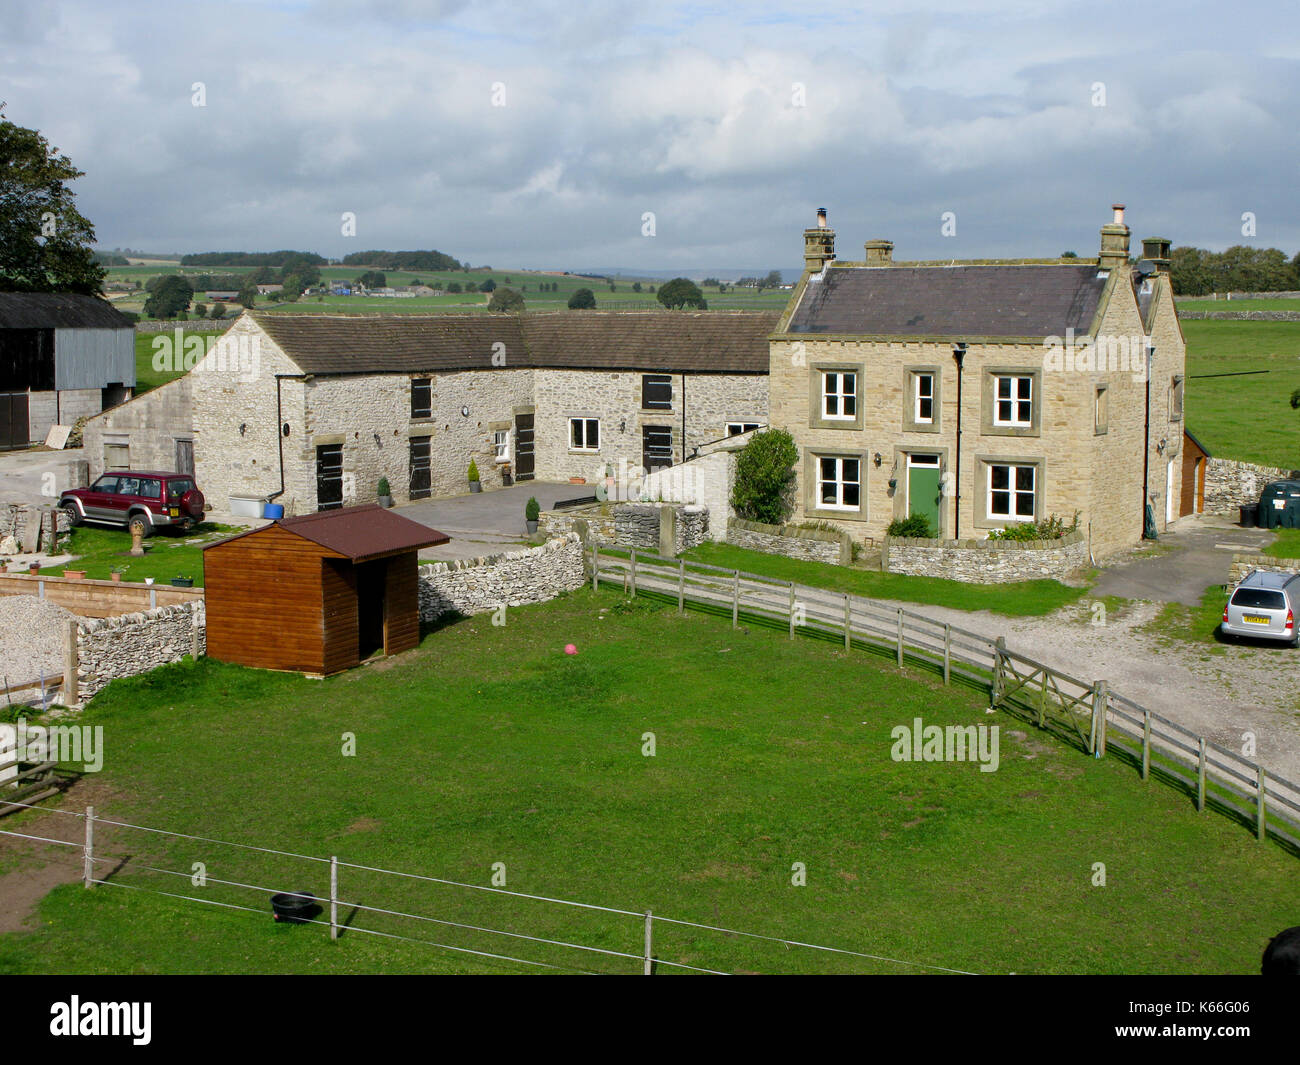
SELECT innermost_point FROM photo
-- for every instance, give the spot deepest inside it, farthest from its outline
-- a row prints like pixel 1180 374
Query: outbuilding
pixel 316 594
pixel 62 357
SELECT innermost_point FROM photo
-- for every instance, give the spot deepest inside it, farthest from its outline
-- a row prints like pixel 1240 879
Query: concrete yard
pixel 486 523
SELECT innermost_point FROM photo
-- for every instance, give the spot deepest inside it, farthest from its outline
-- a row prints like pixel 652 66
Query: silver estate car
pixel 1264 605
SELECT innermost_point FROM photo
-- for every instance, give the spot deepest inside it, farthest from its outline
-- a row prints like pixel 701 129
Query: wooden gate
pixel 14 426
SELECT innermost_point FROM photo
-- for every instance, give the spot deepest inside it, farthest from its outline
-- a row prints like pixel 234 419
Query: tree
pixel 711 281
pixel 247 295
pixel 773 280
pixel 303 268
pixel 583 299
pixel 373 279
pixel 636 286
pixel 293 286
pixel 765 480
pixel 681 292
pixel 218 311
pixel 44 240
pixel 506 300
pixel 171 296
pixel 1069 255
pixel 200 310
pixel 1295 399
pixel 488 286
pixel 453 286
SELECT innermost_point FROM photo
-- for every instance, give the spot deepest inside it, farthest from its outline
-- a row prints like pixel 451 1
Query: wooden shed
pixel 1194 459
pixel 316 594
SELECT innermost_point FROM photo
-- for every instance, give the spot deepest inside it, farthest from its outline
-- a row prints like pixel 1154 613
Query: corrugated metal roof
pixel 358 533
pixel 994 300
pixel 673 341
pixel 57 310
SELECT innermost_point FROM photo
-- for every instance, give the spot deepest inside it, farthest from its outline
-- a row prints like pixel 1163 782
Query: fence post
pixel 999 649
pixel 649 942
pixel 900 637
pixel 681 586
pixel 848 623
pixel 1261 826
pixel 1146 744
pixel 334 896
pixel 1042 699
pixel 595 566
pixel 735 599
pixel 1200 779
pixel 633 571
pixel 947 653
pixel 792 610
pixel 88 855
pixel 1100 701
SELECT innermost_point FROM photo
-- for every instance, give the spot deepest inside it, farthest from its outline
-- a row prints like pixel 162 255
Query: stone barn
pixel 316 594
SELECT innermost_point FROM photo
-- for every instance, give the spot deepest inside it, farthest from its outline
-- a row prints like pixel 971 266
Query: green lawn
pixel 1287 544
pixel 1024 599
pixel 1246 417
pixel 101 549
pixel 490 745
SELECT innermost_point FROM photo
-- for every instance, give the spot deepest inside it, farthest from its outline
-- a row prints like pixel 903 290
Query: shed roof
pixel 58 310
pixel 993 300
pixel 357 533
pixel 672 341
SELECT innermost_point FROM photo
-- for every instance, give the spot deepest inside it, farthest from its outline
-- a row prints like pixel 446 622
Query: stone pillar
pixel 71 663
pixel 668 532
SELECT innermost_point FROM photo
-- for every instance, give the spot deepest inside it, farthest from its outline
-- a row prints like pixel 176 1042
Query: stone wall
pixel 1243 564
pixel 593 523
pixel 27 529
pixel 986 561
pixel 812 545
pixel 149 425
pixel 1245 316
pixel 123 646
pixel 706 481
pixel 1244 296
pixel 1230 484
pixel 480 585
pixel 644 526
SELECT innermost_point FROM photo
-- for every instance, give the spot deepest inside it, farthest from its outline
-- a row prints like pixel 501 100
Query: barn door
pixel 329 476
pixel 421 486
pixel 15 431
pixel 185 457
pixel 656 447
pixel 523 447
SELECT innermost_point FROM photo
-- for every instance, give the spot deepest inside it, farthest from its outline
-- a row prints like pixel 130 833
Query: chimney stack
pixel 880 252
pixel 1114 241
pixel 818 244
pixel 1156 250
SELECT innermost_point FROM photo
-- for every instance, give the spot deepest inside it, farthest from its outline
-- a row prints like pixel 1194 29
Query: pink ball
pixel 570 649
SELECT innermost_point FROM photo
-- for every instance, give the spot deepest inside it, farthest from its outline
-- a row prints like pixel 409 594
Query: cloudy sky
pixel 539 134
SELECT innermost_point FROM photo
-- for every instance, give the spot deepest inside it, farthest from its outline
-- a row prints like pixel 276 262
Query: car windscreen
pixel 1262 598
pixel 105 484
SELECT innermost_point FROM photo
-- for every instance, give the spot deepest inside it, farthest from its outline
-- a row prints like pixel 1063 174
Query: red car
pixel 137 499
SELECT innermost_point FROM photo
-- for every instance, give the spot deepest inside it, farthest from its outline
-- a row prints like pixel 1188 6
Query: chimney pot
pixel 821 217
pixel 1118 208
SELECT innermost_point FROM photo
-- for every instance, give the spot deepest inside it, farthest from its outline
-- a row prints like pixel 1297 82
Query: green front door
pixel 923 493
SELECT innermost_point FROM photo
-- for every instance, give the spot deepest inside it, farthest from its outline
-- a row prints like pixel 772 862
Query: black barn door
pixel 329 476
pixel 523 447
pixel 14 429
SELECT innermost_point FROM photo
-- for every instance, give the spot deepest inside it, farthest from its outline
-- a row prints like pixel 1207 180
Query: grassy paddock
pixel 1287 544
pixel 488 744
pixel 101 548
pixel 1022 599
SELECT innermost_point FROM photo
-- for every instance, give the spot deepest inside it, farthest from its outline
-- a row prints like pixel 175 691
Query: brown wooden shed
pixel 316 594
pixel 1194 458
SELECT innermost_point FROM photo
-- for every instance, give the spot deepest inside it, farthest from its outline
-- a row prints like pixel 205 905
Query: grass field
pixel 101 549
pixel 1247 417
pixel 1239 305
pixel 489 745
pixel 1287 544
pixel 1023 599
pixel 146 377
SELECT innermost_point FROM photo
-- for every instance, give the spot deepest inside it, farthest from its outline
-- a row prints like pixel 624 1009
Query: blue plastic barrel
pixel 274 511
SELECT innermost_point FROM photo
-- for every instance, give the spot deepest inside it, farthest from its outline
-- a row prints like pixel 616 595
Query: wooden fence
pixel 1084 713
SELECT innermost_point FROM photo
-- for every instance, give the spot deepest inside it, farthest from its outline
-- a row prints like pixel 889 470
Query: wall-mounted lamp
pixel 893 483
pixel 243 428
pixel 622 426
pixel 464 412
pixel 876 459
pixel 1160 447
pixel 285 429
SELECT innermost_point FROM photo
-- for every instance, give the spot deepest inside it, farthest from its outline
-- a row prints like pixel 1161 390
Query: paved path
pixel 486 523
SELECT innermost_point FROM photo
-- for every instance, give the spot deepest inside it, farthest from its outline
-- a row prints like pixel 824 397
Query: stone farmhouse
pixel 983 393
pixel 312 410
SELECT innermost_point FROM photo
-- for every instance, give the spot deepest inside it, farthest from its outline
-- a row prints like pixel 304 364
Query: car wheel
pixel 74 515
pixel 141 523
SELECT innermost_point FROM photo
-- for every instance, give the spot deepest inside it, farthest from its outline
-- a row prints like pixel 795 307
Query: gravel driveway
pixel 31 638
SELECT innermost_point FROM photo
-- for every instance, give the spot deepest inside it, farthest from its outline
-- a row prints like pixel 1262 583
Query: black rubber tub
pixel 294 907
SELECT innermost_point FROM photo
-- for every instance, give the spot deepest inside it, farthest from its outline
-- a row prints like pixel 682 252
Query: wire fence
pixel 465 919
pixel 1086 714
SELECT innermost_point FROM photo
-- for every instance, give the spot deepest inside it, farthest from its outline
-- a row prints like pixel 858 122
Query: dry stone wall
pixel 811 545
pixel 1243 564
pixel 480 585
pixel 109 648
pixel 986 561
pixel 1230 484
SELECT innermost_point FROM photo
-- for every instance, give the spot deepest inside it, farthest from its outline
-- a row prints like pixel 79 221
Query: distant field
pixel 1239 305
pixel 1245 417
pixel 146 377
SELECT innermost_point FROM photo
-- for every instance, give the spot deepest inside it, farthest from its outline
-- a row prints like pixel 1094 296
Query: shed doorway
pixel 372 613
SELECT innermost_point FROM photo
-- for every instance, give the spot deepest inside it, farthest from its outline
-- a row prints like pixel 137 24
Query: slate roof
pixel 668 341
pixel 996 300
pixel 58 310
pixel 358 533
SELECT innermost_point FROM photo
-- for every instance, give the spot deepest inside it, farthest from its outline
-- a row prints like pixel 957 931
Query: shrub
pixel 916 526
pixel 532 509
pixel 583 299
pixel 384 489
pixel 473 470
pixel 506 300
pixel 1051 528
pixel 764 489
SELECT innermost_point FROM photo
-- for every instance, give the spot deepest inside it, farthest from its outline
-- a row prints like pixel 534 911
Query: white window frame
pixel 917 417
pixel 741 427
pixel 1013 492
pixel 586 424
pixel 839 482
pixel 1015 398
pixel 839 394
pixel 501 445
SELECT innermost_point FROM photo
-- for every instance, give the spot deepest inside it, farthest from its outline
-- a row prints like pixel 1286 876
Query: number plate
pixel 1254 619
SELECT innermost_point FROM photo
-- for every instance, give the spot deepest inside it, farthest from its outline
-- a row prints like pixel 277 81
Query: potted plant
pixel 182 582
pixel 385 493
pixel 33 568
pixel 115 575
pixel 531 512
pixel 75 574
pixel 474 484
